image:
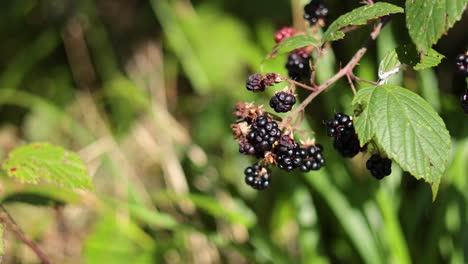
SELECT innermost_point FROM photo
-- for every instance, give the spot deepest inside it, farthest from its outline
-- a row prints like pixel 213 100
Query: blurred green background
pixel 144 92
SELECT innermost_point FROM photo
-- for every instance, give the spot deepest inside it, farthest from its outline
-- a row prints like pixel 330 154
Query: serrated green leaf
pixel 389 63
pixel 428 20
pixel 359 16
pixel 291 44
pixel 409 55
pixel 407 129
pixel 363 123
pixel 41 161
pixel 431 59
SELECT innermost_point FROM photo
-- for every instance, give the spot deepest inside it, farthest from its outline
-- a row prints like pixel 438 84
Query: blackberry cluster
pixel 341 128
pixel 314 11
pixel 379 167
pixel 284 33
pixel 282 102
pixel 257 177
pixel 464 101
pixel 298 65
pixel 290 156
pixel 263 134
pixel 462 64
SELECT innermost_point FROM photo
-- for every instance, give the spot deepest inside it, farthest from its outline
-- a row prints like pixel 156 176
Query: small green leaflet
pixel 359 16
pixel 2 250
pixel 41 161
pixel 407 54
pixel 291 44
pixel 428 20
pixel 407 128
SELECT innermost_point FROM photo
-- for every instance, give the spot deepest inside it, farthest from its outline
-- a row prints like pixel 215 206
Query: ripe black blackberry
pixel 462 64
pixel 284 33
pixel 255 83
pixel 263 133
pixel 290 155
pixel 257 177
pixel 314 11
pixel 379 167
pixel 282 102
pixel 298 65
pixel 341 128
pixel 464 101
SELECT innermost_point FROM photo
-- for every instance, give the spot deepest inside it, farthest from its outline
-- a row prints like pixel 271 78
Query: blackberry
pixel 282 102
pixel 464 101
pixel 255 83
pixel 284 33
pixel 462 64
pixel 290 155
pixel 257 177
pixel 314 11
pixel 341 128
pixel 245 147
pixel 298 65
pixel 379 167
pixel 314 159
pixel 264 132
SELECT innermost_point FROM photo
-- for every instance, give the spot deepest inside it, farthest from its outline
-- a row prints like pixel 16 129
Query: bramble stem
pixel 10 223
pixel 344 71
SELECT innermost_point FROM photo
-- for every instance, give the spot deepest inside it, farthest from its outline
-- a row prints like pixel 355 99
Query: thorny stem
pixel 344 71
pixel 10 223
pixel 305 86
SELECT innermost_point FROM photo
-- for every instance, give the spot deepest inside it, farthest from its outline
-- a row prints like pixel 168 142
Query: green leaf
pixel 359 16
pixel 407 54
pixel 428 20
pixel 42 161
pixel 363 123
pixel 407 129
pixel 291 44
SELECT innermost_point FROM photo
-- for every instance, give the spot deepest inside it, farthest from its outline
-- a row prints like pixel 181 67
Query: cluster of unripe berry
pixel 462 69
pixel 346 142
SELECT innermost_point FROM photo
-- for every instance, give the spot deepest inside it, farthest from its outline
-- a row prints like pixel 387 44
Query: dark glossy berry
pixel 255 83
pixel 314 11
pixel 298 65
pixel 464 102
pixel 342 130
pixel 284 33
pixel 257 177
pixel 290 155
pixel 282 102
pixel 379 167
pixel 462 64
pixel 264 132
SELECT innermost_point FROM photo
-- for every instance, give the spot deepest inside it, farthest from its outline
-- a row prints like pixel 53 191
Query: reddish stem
pixel 344 71
pixel 6 219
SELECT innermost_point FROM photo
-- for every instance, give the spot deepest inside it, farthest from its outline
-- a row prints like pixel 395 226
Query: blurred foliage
pixel 144 92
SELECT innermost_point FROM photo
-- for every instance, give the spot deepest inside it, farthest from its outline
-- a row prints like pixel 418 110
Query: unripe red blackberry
pixel 464 101
pixel 298 65
pixel 257 177
pixel 282 102
pixel 314 11
pixel 379 167
pixel 284 33
pixel 341 128
pixel 462 64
